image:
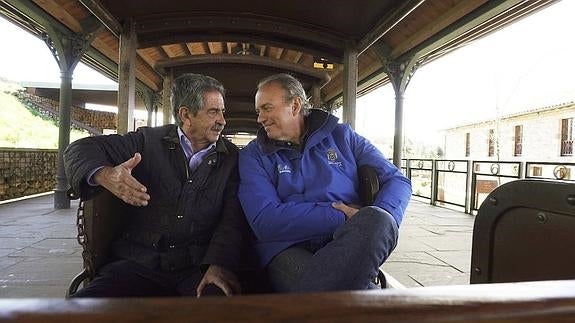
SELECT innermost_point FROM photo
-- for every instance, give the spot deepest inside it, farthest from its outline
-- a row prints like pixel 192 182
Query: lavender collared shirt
pixel 194 158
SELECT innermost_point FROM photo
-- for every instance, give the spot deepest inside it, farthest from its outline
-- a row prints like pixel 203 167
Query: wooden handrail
pixel 548 301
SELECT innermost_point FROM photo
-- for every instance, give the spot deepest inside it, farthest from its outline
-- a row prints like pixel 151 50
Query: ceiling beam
pixel 163 52
pixel 101 63
pixel 36 14
pixel 279 53
pixel 190 48
pixel 387 23
pixel 441 23
pixel 103 15
pixel 245 60
pixel 185 49
pixel 478 17
pixel 206 47
pixel 297 57
pixel 158 30
pixel 333 55
pixel 212 47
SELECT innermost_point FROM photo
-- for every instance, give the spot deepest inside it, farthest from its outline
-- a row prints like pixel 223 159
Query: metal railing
pixel 443 182
pixel 466 183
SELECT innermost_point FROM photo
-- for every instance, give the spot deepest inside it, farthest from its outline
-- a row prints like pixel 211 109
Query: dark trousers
pixel 125 278
pixel 349 260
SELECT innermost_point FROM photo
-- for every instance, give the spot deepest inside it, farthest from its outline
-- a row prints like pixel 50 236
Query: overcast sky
pixel 527 65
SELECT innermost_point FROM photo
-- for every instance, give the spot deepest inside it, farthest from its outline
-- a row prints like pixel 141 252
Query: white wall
pixel 541 137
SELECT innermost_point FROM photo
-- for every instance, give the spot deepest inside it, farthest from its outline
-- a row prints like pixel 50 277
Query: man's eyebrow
pixel 265 105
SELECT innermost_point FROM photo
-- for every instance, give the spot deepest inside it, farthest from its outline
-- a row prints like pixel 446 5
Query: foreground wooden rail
pixel 550 301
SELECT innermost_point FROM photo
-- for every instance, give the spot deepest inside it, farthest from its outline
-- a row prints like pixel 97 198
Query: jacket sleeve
pixel 394 188
pixel 230 239
pixel 87 154
pixel 269 217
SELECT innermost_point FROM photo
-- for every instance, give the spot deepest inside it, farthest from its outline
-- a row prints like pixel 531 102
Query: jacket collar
pixel 318 124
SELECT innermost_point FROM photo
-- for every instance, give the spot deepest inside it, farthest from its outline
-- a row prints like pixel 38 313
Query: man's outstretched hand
pixel 120 182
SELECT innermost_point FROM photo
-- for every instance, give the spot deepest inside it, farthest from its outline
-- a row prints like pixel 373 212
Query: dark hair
pixel 188 90
pixel 292 87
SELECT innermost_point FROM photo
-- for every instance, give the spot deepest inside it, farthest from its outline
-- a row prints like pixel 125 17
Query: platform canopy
pixel 242 41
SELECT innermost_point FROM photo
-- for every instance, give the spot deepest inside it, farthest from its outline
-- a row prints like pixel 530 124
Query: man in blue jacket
pixel 299 191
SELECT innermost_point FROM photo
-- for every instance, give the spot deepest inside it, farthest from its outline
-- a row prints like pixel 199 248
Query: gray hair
pixel 188 90
pixel 292 87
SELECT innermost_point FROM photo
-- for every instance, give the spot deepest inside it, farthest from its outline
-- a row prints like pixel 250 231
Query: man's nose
pixel 221 119
pixel 261 117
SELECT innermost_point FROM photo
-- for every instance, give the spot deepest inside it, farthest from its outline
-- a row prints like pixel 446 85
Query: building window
pixel 467 143
pixel 518 141
pixel 491 143
pixel 567 137
pixel 537 171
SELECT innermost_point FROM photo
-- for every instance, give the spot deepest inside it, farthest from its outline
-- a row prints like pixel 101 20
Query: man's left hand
pixel 221 277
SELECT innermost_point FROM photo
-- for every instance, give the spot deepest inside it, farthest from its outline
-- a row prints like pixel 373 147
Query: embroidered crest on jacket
pixel 284 168
pixel 332 157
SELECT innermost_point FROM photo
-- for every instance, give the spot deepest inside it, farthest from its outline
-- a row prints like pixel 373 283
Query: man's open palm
pixel 120 182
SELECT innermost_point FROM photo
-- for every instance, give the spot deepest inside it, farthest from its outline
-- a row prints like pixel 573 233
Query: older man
pixel 185 227
pixel 299 190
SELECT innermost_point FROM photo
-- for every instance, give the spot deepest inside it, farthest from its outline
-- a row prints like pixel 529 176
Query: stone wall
pixel 541 139
pixel 26 171
pixel 95 119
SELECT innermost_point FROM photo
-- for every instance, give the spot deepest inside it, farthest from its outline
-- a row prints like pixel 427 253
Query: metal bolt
pixel 493 200
pixel 477 270
pixel 541 217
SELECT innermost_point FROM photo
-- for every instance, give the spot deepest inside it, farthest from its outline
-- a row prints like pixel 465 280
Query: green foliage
pixel 19 128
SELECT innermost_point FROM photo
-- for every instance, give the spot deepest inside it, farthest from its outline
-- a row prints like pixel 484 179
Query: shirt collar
pixel 187 144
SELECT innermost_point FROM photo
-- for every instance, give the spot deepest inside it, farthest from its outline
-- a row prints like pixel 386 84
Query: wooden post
pixel 316 95
pixel 166 94
pixel 127 78
pixel 349 84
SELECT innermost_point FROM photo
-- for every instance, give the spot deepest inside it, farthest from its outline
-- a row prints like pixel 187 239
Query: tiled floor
pixel 39 253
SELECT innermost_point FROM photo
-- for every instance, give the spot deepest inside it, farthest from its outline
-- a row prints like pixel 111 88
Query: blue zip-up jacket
pixel 286 192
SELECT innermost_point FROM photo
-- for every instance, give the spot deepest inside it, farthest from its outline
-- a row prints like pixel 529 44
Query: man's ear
pixel 184 113
pixel 296 106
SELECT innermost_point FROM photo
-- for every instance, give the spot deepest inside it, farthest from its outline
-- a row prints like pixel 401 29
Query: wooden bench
pixel 548 301
pixel 525 231
pixel 100 221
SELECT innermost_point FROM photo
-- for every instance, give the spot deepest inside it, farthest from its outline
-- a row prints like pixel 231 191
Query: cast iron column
pixel 61 200
pixel 67 49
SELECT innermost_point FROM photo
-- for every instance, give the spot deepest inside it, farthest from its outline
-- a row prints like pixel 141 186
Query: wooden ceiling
pixel 242 41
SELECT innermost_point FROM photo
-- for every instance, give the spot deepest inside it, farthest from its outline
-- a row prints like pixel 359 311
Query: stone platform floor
pixel 39 253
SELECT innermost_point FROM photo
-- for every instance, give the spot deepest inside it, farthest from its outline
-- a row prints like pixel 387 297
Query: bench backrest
pixel 100 219
pixel 525 231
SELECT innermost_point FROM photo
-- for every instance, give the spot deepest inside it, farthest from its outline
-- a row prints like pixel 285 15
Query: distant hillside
pixel 19 128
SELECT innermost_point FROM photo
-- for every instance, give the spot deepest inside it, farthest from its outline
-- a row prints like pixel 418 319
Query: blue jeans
pixel 349 260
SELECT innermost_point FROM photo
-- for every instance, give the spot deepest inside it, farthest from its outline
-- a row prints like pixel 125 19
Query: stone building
pixel 543 135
